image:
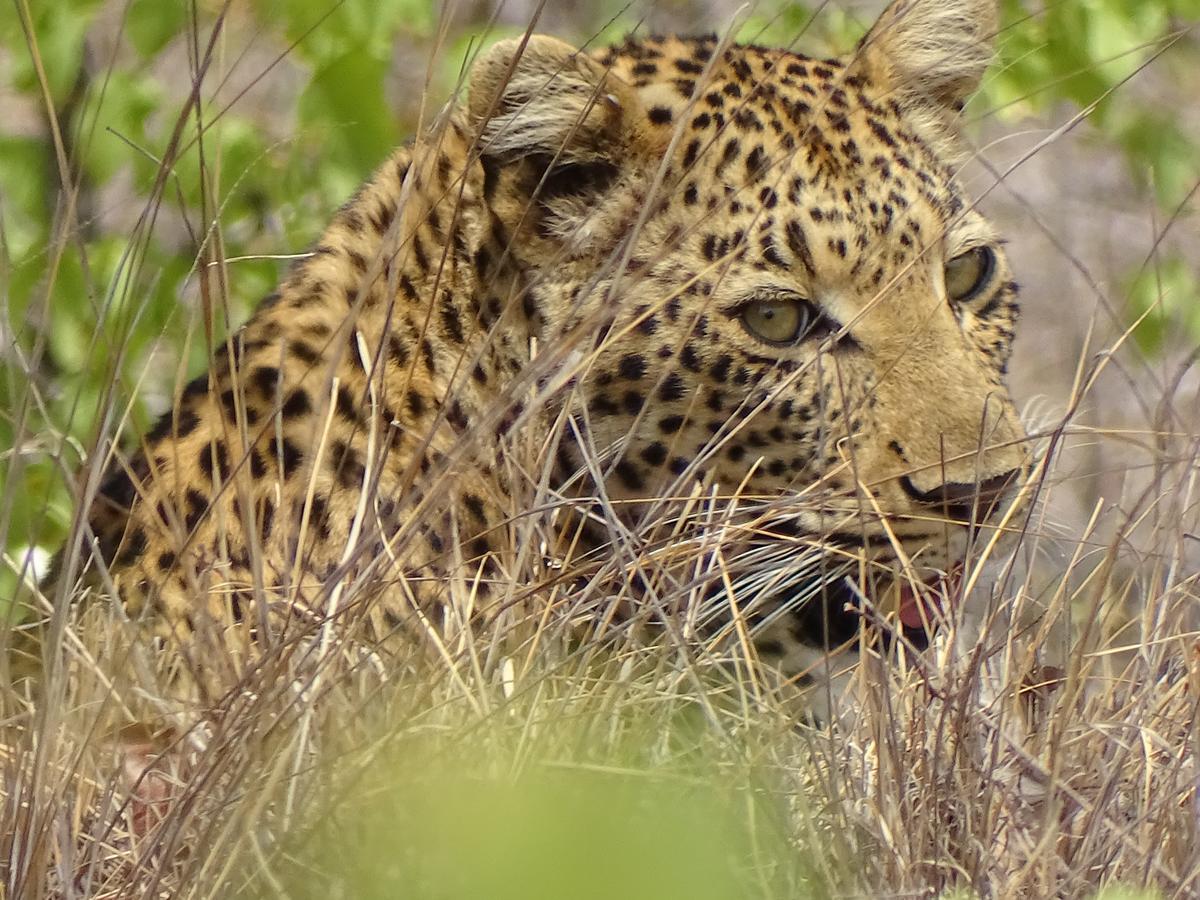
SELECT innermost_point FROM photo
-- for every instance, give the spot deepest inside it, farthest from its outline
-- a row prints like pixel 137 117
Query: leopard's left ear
pixel 930 54
pixel 542 97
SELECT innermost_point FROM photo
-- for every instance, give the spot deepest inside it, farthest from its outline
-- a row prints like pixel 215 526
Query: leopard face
pixel 809 311
pixel 824 314
pixel 747 269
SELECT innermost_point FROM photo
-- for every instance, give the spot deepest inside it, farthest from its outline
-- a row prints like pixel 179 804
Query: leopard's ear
pixel 541 97
pixel 930 54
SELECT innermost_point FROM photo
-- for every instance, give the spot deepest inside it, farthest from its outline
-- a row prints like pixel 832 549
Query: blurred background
pixel 1088 130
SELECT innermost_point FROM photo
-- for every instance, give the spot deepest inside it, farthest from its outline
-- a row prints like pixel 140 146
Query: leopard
pixel 677 265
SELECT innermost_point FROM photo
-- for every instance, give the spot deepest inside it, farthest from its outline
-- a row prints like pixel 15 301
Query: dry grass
pixel 1044 747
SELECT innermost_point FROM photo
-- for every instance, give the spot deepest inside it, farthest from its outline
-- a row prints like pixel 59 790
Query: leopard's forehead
pixel 778 135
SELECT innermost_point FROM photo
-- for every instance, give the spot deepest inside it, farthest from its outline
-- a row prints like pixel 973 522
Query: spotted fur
pixel 576 242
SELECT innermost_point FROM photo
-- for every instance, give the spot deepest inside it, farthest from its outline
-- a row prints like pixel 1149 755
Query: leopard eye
pixel 779 320
pixel 969 273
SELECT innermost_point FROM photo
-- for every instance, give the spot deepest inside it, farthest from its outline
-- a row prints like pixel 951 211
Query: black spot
pixel 603 405
pixel 222 455
pixel 770 253
pixel 655 454
pixel 345 405
pixel 474 506
pixel 297 404
pixel 728 154
pixel 632 367
pixel 304 352
pixel 196 386
pixel 690 359
pixel 633 402
pixel 266 380
pixel 205 459
pixel 755 162
pixel 132 546
pixel 197 506
pixel 161 429
pixel 188 422
pixel 292 457
pixel 407 289
pixel 229 404
pixel 648 325
pixel 318 517
pixel 450 321
pixel 720 369
pixel 660 115
pixel 798 245
pixel 629 475
pixel 419 255
pixel 381 220
pixel 397 351
pixel 670 424
pixel 267 520
pixel 347 464
pixel 672 388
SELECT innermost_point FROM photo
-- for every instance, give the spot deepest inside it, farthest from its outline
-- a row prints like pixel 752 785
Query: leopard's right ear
pixel 539 96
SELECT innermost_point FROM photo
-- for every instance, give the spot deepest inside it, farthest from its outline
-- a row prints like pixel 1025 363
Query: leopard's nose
pixel 965 502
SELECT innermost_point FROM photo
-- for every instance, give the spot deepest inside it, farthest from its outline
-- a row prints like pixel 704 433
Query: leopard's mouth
pixel 899 610
pixel 921 607
pixel 828 605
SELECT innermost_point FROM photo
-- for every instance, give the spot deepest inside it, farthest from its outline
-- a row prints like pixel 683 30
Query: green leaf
pixel 121 136
pixel 1166 299
pixel 24 176
pixel 343 108
pixel 151 24
pixel 58 35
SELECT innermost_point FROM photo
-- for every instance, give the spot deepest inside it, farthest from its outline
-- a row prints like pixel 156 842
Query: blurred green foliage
pixel 443 832
pixel 109 295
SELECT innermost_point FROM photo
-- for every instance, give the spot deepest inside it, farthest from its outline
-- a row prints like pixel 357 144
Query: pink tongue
pixel 912 605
